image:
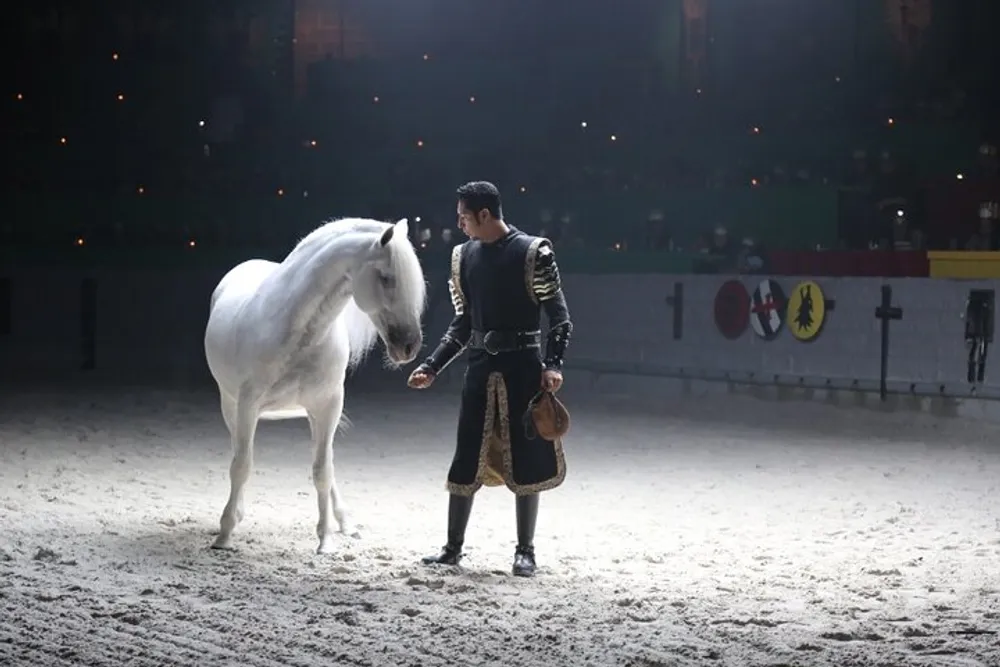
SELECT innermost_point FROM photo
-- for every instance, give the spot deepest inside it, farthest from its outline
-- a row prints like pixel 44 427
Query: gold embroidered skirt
pixel 493 447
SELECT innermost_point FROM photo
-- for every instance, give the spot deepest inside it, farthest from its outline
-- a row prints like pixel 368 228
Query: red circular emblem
pixel 732 309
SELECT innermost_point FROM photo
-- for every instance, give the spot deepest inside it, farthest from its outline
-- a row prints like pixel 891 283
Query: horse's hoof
pixel 354 532
pixel 221 544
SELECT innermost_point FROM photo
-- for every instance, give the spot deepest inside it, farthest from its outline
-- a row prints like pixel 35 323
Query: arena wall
pixel 634 333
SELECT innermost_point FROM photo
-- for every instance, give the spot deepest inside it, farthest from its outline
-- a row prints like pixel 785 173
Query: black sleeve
pixel 546 286
pixel 459 332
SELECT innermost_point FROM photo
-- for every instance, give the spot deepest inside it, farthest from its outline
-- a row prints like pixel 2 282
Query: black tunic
pixel 503 287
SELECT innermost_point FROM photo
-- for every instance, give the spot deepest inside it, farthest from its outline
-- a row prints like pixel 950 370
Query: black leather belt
pixel 495 342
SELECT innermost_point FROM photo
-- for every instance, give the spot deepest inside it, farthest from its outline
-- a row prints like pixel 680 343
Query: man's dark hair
pixel 477 195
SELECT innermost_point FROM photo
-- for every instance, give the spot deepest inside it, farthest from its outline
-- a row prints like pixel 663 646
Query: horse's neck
pixel 315 285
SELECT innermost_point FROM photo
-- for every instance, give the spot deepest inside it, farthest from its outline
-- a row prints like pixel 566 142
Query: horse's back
pixel 242 280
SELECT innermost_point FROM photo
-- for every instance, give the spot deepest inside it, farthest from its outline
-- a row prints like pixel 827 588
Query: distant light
pixel 837 79
pixel 427 56
pixel 614 138
pixel 62 140
pixel 892 121
pixel 420 143
pixel 960 176
pixel 375 99
pixel 79 241
pixel 191 243
pixel 754 182
pixel 121 97
pixel 524 189
pixel 899 213
pixel 281 192
pixel 472 98
pixel 417 219
pixel 756 130
pixel 583 124
pixel 140 190
pixel 19 96
pixel 201 123
pixel 114 56
pixel 617 246
pixel 313 143
pixel 697 91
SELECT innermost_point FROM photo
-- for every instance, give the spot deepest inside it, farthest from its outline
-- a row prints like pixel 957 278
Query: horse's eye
pixel 387 282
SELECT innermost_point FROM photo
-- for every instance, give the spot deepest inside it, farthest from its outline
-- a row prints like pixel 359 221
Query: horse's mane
pixel 361 333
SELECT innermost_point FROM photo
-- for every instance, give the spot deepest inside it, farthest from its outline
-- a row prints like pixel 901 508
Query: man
pixel 500 281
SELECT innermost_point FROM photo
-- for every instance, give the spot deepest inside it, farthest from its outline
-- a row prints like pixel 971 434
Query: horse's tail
pixel 361 333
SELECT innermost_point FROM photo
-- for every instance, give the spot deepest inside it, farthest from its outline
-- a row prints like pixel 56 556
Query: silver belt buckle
pixel 490 335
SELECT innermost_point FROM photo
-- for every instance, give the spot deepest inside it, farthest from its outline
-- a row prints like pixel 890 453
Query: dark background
pixel 213 111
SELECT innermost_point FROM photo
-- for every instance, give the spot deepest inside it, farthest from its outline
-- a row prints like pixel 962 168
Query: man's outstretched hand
pixel 421 378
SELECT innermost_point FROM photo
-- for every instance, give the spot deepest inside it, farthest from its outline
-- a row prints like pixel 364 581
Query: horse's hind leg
pixel 323 421
pixel 243 428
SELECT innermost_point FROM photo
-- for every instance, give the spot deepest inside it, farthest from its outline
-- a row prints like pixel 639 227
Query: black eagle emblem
pixel 804 315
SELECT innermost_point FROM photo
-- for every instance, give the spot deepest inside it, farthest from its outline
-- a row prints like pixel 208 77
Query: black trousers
pixel 493 447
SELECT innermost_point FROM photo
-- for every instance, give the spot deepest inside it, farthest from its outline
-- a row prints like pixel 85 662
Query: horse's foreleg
pixel 243 428
pixel 229 413
pixel 324 422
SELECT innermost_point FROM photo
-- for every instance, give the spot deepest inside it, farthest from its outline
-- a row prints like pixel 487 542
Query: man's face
pixel 468 221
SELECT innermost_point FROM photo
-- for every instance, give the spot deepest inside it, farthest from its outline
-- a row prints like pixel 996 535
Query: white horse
pixel 281 337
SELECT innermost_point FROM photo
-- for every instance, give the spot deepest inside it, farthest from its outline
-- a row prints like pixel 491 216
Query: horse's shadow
pixel 159 541
pixel 187 545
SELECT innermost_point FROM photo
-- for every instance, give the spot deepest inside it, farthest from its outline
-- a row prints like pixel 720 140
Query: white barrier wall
pixel 149 326
pixel 624 324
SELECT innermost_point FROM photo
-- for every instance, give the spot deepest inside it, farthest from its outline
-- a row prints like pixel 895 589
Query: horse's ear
pixel 386 236
pixel 398 228
pixel 402 227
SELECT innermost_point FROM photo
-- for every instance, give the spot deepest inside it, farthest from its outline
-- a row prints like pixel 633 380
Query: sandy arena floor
pixel 742 533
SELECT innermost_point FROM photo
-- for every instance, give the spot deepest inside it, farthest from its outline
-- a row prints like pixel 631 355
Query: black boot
pixel 524 554
pixel 459 509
